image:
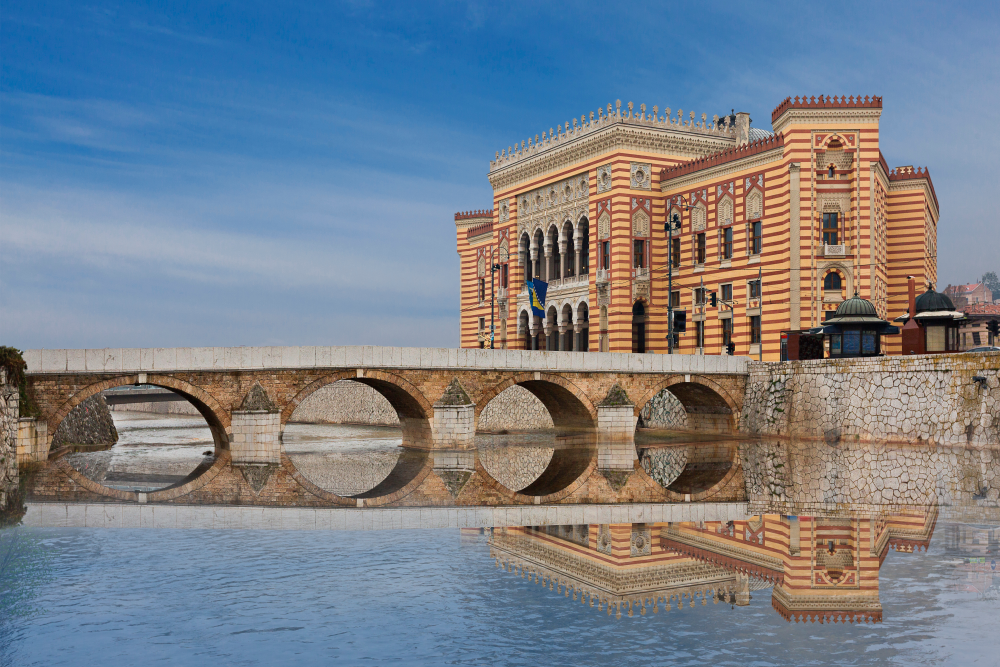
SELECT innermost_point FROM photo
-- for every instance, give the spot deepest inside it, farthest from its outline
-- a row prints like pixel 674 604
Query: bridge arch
pixel 568 405
pixel 218 418
pixel 709 406
pixel 414 412
pixel 574 454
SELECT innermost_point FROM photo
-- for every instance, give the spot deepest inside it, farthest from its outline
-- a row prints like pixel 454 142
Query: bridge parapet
pixel 136 360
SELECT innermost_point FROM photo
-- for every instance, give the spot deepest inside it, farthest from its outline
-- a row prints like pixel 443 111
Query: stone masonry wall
pixel 932 399
pixel 8 439
pixel 89 423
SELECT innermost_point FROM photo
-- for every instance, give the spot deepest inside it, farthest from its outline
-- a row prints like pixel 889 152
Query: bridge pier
pixel 616 423
pixel 256 429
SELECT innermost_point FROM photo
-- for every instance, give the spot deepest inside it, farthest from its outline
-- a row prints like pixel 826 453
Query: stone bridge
pixel 248 394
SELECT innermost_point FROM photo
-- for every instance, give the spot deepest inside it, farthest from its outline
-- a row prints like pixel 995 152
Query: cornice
pixel 723 171
pixel 621 135
pixel 723 549
pixel 917 184
pixel 849 117
pixel 466 223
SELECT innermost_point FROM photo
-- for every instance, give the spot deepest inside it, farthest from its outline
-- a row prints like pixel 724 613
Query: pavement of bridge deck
pixel 123 515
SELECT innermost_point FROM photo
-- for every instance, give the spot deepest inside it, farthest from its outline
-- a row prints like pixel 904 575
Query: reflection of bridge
pixel 247 395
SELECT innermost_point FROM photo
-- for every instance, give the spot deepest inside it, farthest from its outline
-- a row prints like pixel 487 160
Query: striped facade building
pixel 780 225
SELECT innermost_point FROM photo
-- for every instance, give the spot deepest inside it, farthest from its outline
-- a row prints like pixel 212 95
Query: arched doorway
pixel 638 327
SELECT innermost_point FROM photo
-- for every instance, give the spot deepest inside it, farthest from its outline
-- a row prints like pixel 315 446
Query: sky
pixel 202 174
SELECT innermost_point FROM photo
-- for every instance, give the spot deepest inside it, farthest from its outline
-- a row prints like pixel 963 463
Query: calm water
pixel 120 597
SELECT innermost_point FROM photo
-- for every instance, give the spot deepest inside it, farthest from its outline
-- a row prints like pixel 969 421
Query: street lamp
pixel 673 222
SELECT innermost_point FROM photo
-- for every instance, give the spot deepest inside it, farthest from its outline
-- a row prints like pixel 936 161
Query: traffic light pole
pixel 670 283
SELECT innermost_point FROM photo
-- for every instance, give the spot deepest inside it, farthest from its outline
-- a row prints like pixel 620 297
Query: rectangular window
pixel 727 243
pixel 675 299
pixel 699 296
pixel 831 229
pixel 482 289
pixel 482 324
pixel 699 329
pixel 852 343
pixel 727 292
pixel 605 255
pixel 753 288
pixel 835 348
pixel 727 332
pixel 675 252
pixel 637 254
pixel 756 237
pixel 504 276
pixel 754 329
pixel 701 248
pixel 935 338
pixel 976 340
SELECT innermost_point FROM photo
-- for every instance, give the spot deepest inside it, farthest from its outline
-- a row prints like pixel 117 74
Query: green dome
pixel 931 301
pixel 856 307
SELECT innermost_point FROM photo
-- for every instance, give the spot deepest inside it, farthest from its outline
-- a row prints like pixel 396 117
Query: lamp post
pixel 493 271
pixel 672 222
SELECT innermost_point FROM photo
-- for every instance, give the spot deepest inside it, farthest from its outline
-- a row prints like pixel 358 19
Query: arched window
pixel 832 173
pixel 832 282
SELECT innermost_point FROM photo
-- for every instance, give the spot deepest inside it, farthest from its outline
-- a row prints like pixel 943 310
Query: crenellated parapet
pixel 617 128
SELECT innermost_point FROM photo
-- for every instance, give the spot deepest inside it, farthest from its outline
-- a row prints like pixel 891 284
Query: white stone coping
pixel 168 359
pixel 130 515
pixel 919 363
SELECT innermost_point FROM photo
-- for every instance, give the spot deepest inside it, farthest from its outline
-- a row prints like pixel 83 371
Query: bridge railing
pixel 148 360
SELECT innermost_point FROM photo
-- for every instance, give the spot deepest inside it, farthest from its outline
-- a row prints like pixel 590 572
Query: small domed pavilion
pixel 855 330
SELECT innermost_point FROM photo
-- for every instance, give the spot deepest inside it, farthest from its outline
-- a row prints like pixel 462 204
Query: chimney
pixel 913 295
pixel 742 128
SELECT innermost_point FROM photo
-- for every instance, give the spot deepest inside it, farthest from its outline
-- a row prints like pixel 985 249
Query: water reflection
pixel 819 569
pixel 153 451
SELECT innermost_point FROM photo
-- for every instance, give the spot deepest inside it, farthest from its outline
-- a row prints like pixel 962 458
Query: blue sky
pixel 180 174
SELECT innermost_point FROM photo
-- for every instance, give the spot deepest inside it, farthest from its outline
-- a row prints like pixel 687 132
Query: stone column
pixel 578 332
pixel 534 262
pixel 563 332
pixel 577 248
pixel 548 262
pixel 562 258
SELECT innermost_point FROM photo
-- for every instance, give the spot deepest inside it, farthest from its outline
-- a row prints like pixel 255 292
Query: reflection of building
pixel 979 549
pixel 781 225
pixel 821 569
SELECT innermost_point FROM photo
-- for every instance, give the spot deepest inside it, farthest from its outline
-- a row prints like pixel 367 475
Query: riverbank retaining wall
pixel 9 400
pixel 932 399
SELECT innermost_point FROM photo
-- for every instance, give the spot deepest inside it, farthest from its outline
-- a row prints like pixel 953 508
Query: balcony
pixel 570 285
pixel 835 250
pixel 603 276
pixel 501 293
pixel 640 273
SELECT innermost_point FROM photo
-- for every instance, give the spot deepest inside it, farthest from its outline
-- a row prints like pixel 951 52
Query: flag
pixel 536 292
